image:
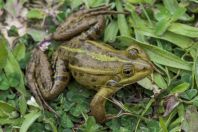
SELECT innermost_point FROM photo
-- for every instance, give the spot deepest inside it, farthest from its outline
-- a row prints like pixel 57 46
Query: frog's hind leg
pixel 31 81
pixel 81 21
pixel 98 104
pixel 40 78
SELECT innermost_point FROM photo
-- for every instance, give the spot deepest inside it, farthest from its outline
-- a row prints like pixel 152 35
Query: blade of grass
pixel 180 41
pixel 29 119
pixel 163 24
pixel 147 107
pixel 195 70
pixel 184 29
pixel 111 32
pixel 122 22
pixel 144 28
pixel 3 52
pixel 163 125
pixel 171 5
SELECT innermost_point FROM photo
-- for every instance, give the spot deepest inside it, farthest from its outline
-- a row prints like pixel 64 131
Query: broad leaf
pixel 29 119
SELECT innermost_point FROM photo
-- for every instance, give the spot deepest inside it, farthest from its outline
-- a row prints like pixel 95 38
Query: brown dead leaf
pixel 171 102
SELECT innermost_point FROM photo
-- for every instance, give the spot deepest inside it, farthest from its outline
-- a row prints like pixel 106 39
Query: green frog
pixel 91 63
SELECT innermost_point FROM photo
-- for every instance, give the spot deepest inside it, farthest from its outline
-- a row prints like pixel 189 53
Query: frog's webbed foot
pixel 98 104
pixel 40 79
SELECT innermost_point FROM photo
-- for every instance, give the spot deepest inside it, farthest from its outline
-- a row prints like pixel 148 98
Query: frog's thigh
pixel 50 86
pixel 98 103
pixel 61 77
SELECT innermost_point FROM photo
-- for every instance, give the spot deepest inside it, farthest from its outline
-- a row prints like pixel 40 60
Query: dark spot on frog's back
pixel 74 61
pixel 93 80
pixel 81 74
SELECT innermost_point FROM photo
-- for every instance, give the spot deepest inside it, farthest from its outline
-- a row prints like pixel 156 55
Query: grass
pixel 167 100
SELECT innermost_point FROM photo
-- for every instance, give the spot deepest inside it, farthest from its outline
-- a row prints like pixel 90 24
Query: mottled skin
pixel 93 64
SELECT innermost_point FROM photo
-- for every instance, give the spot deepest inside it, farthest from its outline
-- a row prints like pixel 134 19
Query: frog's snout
pixel 143 65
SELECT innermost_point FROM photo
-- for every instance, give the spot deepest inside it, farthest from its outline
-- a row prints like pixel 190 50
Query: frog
pixel 90 62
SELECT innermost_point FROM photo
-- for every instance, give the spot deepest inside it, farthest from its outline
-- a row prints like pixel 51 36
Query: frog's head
pixel 138 67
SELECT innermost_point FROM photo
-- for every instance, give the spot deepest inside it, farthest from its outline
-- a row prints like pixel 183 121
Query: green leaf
pixel 22 105
pixel 162 26
pixel 195 101
pixel 179 12
pixel 148 105
pixel 13 32
pixel 14 74
pixel 29 120
pixel 161 13
pixel 189 94
pixel 76 3
pixel 66 121
pixel 171 5
pixel 163 125
pixel 10 70
pixel 159 80
pixel 19 52
pixel 79 109
pixel 1 4
pixel 111 32
pixel 4 83
pixel 13 122
pixel 122 23
pixel 51 122
pixel 95 3
pixel 195 69
pixel 35 14
pixel 141 1
pixel 3 52
pixel 90 125
pixel 180 88
pixel 146 83
pixel 179 40
pixel 166 20
pixel 78 96
pixel 184 29
pixel 6 109
pixel 159 55
pixel 37 35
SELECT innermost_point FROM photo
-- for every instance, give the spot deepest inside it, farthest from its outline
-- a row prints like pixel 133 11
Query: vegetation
pixel 165 101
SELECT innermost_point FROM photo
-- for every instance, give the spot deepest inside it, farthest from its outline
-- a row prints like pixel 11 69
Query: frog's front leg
pixel 98 103
pixel 40 76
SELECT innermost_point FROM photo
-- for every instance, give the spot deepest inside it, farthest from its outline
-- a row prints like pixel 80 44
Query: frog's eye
pixel 128 70
pixel 133 51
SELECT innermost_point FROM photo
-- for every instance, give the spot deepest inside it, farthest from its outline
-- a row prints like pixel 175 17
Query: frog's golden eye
pixel 128 70
pixel 133 51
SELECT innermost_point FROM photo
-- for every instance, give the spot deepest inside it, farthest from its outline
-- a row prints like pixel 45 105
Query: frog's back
pixel 96 56
pixel 92 63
